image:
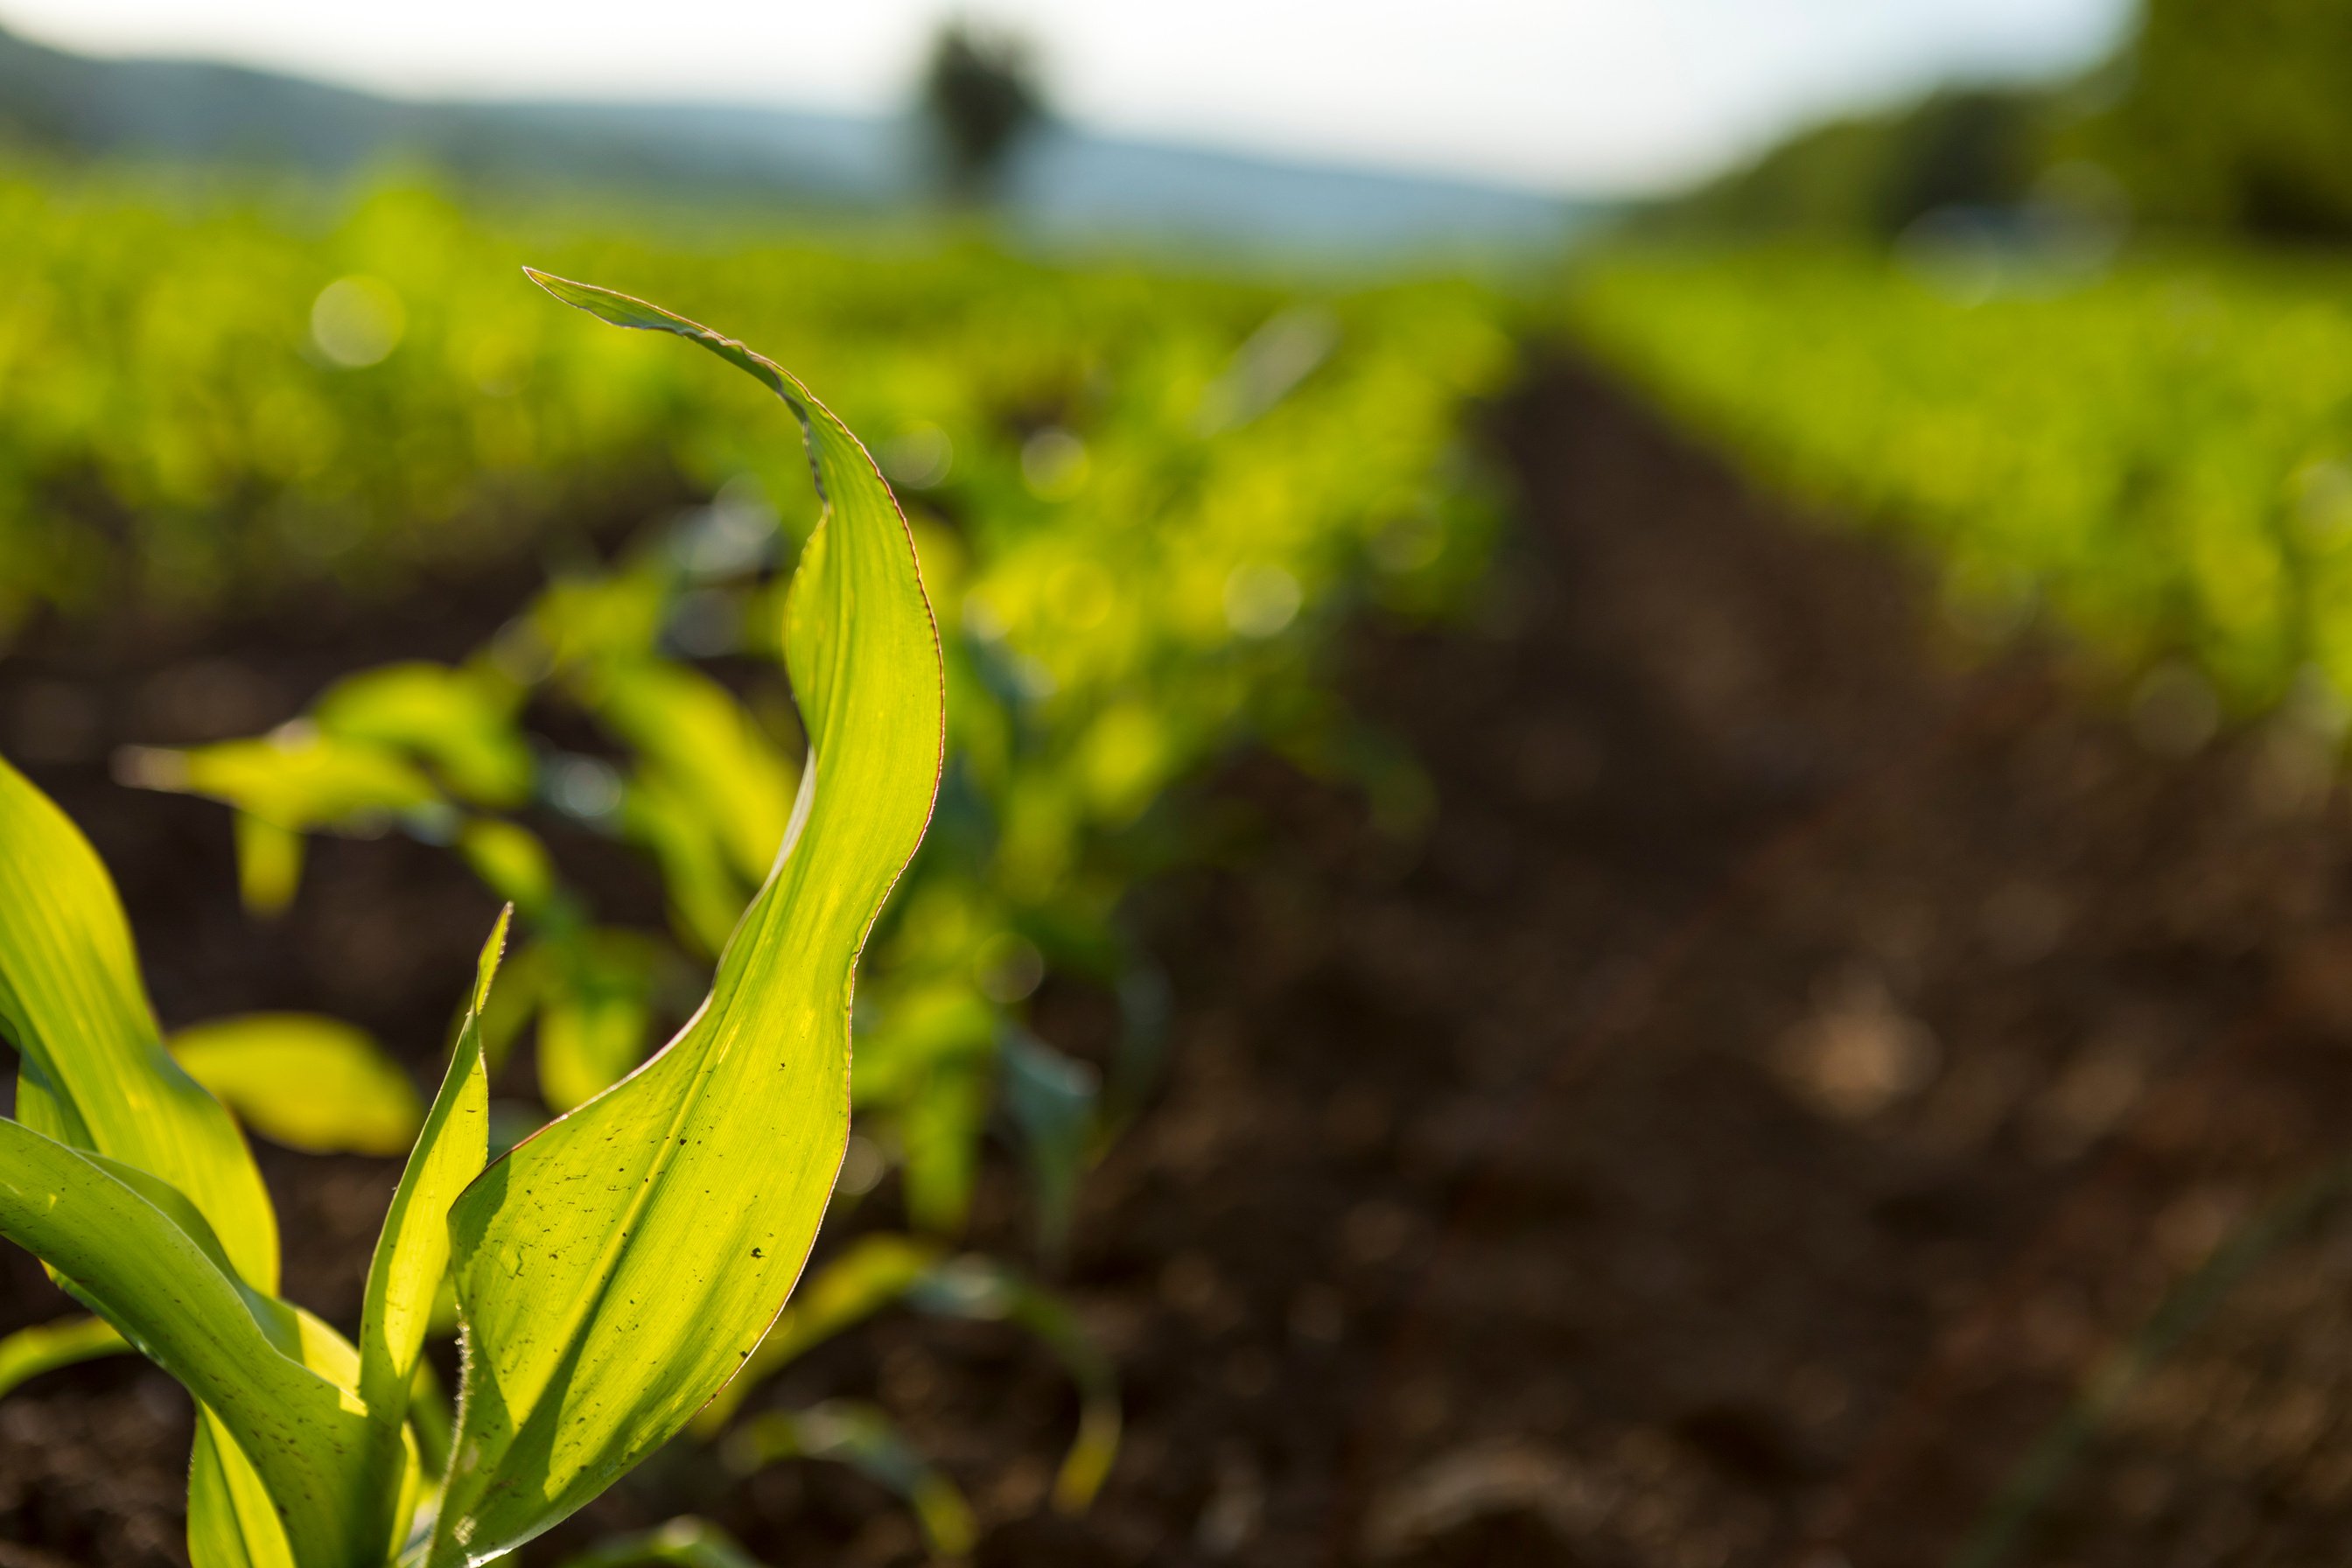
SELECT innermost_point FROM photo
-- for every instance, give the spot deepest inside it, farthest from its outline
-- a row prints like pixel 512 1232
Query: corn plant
pixel 612 1273
pixel 444 752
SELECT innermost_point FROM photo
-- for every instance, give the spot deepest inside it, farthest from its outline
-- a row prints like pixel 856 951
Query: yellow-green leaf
pixel 983 1290
pixel 595 1012
pixel 460 723
pixel 686 1542
pixel 142 1256
pixel 297 776
pixel 231 1521
pixel 513 864
pixel 94 1073
pixel 875 1272
pixel 691 733
pixel 852 1433
pixel 617 1270
pixel 305 1081
pixel 46 1347
pixel 412 1252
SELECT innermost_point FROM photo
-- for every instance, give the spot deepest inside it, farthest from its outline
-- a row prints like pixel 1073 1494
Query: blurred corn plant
pixel 223 400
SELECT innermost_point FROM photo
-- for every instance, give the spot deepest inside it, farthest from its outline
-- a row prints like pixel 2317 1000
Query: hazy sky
pixel 1608 95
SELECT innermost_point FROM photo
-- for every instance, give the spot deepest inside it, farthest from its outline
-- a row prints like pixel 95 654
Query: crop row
pixel 2160 453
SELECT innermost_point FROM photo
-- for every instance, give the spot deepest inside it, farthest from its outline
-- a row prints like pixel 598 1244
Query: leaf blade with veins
pixel 615 1270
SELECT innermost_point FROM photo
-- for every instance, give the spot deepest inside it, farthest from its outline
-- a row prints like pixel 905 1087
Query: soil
pixel 1814 1093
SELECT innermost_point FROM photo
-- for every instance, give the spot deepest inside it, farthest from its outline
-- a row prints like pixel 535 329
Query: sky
pixel 1601 97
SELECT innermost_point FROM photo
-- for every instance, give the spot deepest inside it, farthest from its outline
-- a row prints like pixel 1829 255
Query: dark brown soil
pixel 1795 1062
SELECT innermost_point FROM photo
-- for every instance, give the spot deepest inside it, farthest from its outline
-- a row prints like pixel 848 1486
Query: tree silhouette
pixel 980 94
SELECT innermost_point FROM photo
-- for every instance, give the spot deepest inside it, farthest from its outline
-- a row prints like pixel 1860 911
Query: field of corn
pixel 1142 504
pixel 1440 975
pixel 2157 453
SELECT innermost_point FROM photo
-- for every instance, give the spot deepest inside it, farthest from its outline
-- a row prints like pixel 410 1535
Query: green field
pixel 1145 502
pixel 198 411
pixel 2161 454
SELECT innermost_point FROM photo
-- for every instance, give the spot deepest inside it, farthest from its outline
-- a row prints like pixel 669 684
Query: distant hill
pixel 1872 176
pixel 1067 183
pixel 2225 118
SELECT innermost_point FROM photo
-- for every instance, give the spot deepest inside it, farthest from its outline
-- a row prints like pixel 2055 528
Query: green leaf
pixel 305 1081
pixel 690 732
pixel 984 1291
pixel 95 1073
pixel 874 1273
pixel 412 1251
pixel 706 895
pixel 142 1256
pixel 681 1544
pixel 513 864
pixel 460 722
pixel 879 1271
pixel 850 1432
pixel 617 1270
pixel 297 776
pixel 927 1059
pixel 584 621
pixel 595 1010
pixel 46 1347
pixel 292 781
pixel 1050 1099
pixel 231 1520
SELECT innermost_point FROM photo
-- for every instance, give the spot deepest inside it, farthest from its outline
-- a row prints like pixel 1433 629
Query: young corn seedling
pixel 461 756
pixel 614 1272
pixel 700 785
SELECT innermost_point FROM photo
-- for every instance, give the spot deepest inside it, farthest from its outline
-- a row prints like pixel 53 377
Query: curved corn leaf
pixel 690 732
pixel 141 1255
pixel 269 865
pixel 875 1272
pixel 231 1520
pixel 46 1347
pixel 615 1270
pixel 1051 1100
pixel 412 1252
pixel 305 1081
pixel 681 1544
pixel 596 1011
pixel 513 864
pixel 95 1074
pixel 296 779
pixel 460 722
pixel 852 1433
pixel 926 1060
pixel 984 1291
pixel 881 1271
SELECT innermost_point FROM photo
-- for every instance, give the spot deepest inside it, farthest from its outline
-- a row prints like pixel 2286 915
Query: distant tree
pixel 2224 115
pixel 980 95
pixel 1874 175
pixel 2238 114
